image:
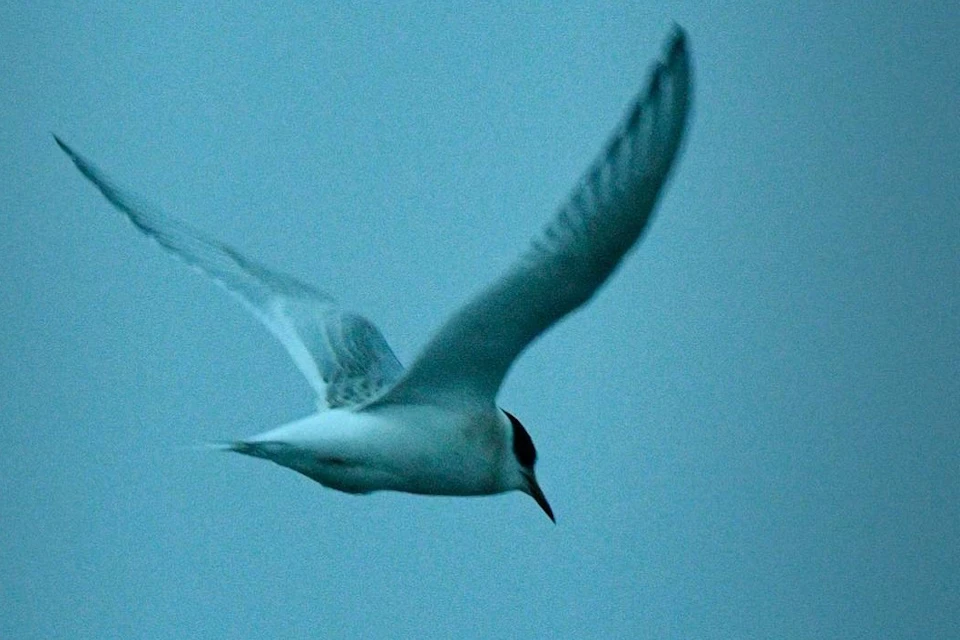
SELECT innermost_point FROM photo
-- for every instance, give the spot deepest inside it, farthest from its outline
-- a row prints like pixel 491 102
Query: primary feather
pixel 342 355
pixel 467 359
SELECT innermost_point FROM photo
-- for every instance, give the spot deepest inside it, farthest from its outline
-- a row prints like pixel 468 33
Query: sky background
pixel 752 432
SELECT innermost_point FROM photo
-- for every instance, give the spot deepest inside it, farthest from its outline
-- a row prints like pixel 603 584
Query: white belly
pixel 416 449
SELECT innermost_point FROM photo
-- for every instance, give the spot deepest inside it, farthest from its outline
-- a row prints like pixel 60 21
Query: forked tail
pixel 234 446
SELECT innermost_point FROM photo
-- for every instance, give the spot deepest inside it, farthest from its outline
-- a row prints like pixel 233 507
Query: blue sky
pixel 752 431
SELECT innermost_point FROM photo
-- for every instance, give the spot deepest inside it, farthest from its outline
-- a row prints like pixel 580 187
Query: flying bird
pixel 434 428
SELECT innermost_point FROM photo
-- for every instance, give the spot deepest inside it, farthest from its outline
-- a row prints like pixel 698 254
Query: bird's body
pixel 435 428
pixel 419 449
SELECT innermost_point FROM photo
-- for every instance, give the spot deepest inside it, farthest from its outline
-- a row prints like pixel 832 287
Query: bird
pixel 434 427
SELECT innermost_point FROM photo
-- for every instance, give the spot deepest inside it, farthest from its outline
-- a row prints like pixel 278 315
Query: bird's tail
pixel 266 450
pixel 235 446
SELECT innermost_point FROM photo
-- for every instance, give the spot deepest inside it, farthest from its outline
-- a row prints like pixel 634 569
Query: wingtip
pixel 67 149
pixel 63 145
pixel 678 42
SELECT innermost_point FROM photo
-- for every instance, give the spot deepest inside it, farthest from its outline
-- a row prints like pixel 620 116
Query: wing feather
pixel 467 359
pixel 342 355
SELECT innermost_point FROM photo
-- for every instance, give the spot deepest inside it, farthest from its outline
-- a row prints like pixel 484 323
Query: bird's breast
pixel 439 451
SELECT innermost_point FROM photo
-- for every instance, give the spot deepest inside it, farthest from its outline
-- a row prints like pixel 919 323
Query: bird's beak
pixel 535 492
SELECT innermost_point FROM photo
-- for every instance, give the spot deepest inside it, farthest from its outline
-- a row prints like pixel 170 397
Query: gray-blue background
pixel 751 433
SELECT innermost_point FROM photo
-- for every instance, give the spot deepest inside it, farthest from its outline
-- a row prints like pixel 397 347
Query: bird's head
pixel 525 456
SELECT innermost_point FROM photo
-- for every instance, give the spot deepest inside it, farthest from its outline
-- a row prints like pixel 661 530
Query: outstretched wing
pixel 343 356
pixel 467 359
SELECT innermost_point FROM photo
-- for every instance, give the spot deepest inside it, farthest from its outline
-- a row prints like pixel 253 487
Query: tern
pixel 435 428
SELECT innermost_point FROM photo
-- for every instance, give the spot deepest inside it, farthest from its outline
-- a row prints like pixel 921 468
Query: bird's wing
pixel 466 360
pixel 343 356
